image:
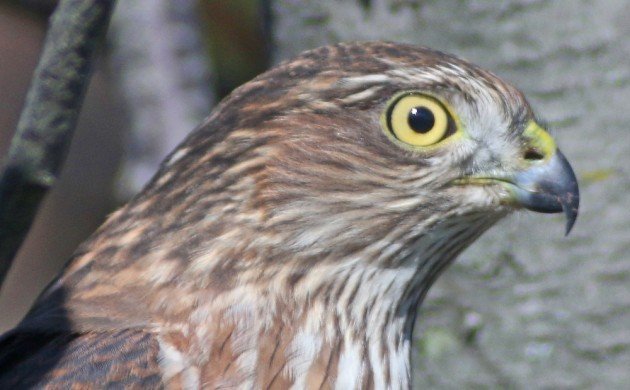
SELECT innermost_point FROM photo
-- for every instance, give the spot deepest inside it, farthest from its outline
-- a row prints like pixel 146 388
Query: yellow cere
pixel 540 139
pixel 399 121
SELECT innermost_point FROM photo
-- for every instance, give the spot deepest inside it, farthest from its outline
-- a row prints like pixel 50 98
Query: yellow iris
pixel 418 120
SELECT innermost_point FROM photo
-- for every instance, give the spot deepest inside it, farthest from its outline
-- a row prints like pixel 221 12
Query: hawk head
pixel 295 232
pixel 369 153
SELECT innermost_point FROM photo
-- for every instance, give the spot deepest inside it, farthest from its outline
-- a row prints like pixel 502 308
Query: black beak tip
pixel 571 213
pixel 570 206
pixel 570 199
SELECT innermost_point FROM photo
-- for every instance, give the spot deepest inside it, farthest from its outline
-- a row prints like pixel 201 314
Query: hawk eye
pixel 418 120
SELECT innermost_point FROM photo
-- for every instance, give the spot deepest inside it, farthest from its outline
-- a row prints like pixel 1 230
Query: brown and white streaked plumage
pixel 289 240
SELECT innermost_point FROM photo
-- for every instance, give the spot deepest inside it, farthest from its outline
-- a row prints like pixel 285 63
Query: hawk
pixel 288 241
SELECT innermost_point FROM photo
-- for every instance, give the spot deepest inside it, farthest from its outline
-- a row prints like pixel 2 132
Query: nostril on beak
pixel 533 154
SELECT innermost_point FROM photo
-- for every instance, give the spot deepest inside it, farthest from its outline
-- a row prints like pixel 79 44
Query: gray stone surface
pixel 160 64
pixel 524 307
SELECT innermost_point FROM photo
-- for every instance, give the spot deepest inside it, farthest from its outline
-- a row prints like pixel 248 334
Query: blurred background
pixel 524 307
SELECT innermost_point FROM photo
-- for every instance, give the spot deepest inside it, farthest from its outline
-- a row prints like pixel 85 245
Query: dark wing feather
pixel 123 359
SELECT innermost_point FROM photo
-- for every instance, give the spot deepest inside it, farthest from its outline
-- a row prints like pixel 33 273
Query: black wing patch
pixel 122 359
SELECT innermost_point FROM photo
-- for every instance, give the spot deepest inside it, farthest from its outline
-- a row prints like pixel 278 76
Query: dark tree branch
pixel 49 118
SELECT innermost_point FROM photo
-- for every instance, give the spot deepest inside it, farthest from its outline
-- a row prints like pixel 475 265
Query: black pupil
pixel 421 119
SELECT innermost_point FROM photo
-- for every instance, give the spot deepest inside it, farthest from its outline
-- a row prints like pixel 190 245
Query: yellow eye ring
pixel 418 120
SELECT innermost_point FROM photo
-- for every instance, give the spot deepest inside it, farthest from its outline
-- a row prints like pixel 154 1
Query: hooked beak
pixel 548 187
pixel 545 182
